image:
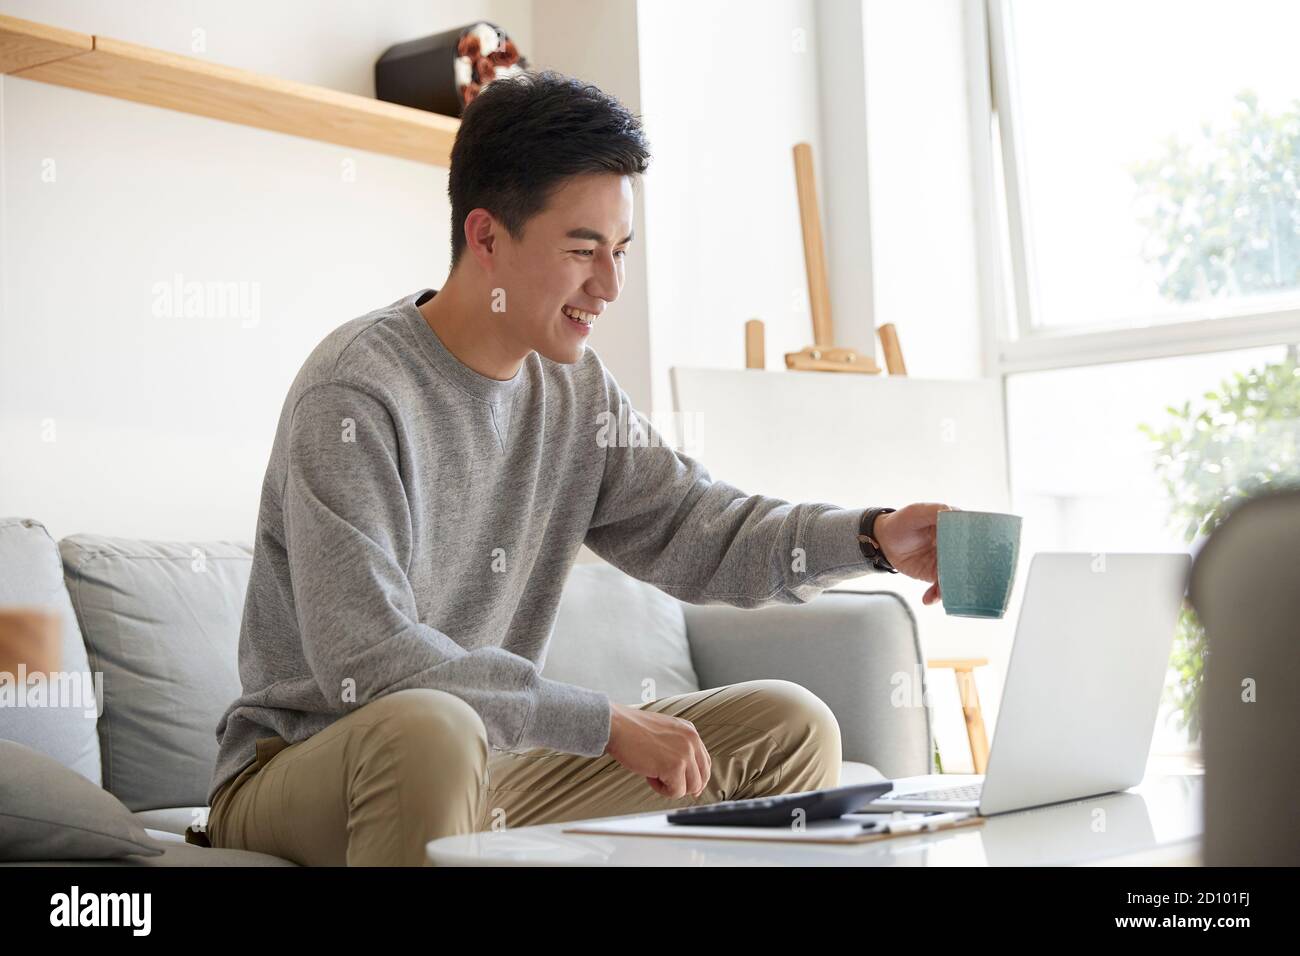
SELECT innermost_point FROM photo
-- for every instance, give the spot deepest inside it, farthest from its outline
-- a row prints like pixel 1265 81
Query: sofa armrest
pixel 859 651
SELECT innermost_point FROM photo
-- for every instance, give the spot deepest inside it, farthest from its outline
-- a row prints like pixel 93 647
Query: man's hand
pixel 908 538
pixel 666 750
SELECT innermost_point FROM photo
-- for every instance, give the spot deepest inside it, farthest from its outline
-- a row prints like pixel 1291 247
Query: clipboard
pixel 848 829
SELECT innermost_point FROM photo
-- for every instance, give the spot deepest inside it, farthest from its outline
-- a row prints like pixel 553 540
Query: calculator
pixel 779 810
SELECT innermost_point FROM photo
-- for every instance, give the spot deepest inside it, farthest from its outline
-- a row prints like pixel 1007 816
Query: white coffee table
pixel 1158 822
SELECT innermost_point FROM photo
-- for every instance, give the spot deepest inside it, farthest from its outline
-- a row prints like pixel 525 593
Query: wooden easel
pixel 823 355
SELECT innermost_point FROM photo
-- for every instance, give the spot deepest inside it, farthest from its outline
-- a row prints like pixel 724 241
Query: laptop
pixel 1082 690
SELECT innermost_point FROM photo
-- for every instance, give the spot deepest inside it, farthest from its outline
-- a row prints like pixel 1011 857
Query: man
pixel 437 465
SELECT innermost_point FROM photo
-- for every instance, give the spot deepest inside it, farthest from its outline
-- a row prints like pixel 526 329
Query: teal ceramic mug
pixel 978 551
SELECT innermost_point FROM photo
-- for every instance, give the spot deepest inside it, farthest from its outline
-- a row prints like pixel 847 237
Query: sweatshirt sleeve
pixel 347 528
pixel 662 518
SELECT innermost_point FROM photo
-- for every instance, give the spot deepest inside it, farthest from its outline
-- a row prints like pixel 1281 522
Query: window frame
pixel 1011 343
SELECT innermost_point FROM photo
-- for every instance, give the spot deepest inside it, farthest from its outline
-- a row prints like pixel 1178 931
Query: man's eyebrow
pixel 582 232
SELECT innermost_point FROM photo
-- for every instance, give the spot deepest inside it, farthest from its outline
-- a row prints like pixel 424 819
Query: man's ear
pixel 481 235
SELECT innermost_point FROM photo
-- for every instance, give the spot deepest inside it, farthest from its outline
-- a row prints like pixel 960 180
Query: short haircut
pixel 523 135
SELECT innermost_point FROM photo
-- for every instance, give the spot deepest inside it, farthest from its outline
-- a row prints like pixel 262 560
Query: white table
pixel 1158 822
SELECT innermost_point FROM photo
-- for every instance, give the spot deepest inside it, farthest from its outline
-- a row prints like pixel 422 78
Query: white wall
pixel 922 201
pixel 723 233
pixel 845 159
pixel 727 88
pixel 161 426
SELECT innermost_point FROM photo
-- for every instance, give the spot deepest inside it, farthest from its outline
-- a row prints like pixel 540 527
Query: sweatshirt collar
pixel 491 390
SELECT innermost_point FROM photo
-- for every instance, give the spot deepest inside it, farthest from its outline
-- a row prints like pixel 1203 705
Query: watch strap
pixel 868 542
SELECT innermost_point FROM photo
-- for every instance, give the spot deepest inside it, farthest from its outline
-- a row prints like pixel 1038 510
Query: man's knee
pixel 435 737
pixel 808 723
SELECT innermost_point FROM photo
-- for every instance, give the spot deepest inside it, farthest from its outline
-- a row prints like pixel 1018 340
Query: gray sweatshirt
pixel 418 521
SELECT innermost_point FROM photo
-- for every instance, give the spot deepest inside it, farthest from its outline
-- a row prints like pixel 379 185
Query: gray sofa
pixel 160 622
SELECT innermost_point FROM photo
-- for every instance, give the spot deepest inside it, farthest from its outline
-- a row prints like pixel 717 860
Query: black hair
pixel 523 135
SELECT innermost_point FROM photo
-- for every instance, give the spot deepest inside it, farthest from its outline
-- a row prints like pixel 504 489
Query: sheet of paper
pixel 658 825
pixel 850 825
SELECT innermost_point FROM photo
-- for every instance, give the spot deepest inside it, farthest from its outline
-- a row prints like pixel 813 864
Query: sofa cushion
pixel 175 854
pixel 161 620
pixel 31 573
pixel 51 812
pixel 619 635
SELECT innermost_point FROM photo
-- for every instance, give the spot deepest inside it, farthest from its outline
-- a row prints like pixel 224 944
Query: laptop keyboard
pixel 970 791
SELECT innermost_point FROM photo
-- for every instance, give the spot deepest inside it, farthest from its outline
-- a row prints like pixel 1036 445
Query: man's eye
pixel 588 252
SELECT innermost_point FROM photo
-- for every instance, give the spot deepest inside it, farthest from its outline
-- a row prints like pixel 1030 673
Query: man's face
pixel 570 254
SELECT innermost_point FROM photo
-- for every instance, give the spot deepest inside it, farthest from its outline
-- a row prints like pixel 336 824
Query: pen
pixel 914 824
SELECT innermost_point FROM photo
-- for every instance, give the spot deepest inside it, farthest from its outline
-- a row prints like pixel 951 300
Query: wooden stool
pixel 964 669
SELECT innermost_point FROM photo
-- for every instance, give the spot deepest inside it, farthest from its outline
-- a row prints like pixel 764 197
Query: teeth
pixel 586 318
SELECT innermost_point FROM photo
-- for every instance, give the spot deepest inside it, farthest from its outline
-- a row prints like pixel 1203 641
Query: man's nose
pixel 605 282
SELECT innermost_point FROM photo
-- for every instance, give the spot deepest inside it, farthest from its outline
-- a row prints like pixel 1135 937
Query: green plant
pixel 1222 213
pixel 1211 459
pixel 1222 217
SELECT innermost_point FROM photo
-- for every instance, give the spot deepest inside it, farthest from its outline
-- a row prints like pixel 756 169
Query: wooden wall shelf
pixel 128 71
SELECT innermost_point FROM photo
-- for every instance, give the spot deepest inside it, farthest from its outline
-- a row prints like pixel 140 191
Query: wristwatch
pixel 869 544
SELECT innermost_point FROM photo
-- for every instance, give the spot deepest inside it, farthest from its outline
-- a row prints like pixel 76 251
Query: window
pixel 1087 476
pixel 1138 178
pixel 1152 162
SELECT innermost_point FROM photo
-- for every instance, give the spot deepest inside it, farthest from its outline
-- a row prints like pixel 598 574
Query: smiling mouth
pixel 578 317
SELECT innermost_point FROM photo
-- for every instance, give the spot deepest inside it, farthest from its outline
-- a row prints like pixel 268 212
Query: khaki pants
pixel 379 783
